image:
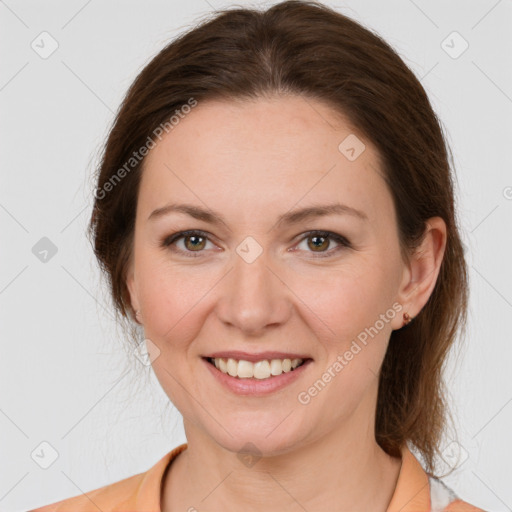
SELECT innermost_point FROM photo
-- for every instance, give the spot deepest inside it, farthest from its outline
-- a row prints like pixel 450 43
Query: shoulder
pixel 443 499
pixel 103 498
pixel 133 493
pixel 462 506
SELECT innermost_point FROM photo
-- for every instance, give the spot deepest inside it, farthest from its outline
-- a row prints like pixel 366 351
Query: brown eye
pixel 194 242
pixel 318 242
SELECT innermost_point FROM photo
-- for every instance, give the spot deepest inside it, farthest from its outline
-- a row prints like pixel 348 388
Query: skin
pixel 253 161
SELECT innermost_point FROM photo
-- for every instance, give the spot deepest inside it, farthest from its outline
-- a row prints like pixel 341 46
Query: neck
pixel 347 465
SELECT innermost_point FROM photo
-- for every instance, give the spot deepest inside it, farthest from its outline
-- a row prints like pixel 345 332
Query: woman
pixel 274 206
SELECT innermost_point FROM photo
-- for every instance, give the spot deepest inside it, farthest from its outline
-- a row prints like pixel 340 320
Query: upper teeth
pixel 259 370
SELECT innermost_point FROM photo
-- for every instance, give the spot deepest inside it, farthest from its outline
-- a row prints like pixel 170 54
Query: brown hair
pixel 308 49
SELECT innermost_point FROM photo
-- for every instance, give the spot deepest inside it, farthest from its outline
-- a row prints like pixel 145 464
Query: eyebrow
pixel 291 217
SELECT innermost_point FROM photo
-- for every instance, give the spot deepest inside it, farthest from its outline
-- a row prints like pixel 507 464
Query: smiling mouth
pixel 264 369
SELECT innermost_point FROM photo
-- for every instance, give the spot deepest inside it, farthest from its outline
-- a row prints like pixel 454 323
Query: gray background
pixel 61 369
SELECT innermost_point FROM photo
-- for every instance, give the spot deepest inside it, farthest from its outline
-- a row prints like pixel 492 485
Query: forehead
pixel 253 155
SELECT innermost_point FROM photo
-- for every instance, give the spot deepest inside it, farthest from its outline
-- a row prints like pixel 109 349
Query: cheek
pixel 172 298
pixel 346 300
pixel 351 313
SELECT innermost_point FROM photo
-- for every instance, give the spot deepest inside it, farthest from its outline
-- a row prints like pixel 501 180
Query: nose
pixel 254 297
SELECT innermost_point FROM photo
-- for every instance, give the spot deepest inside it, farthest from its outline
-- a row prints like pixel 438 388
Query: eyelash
pixel 171 239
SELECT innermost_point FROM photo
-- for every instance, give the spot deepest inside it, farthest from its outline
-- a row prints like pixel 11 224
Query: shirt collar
pixel 148 494
pixel 412 490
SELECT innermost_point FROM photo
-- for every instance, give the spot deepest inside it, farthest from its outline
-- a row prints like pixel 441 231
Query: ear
pixel 421 272
pixel 132 289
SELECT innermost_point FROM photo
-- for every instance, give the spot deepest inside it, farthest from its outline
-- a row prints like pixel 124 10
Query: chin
pixel 259 438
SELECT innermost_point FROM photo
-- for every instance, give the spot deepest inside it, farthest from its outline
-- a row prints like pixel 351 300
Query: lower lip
pixel 257 387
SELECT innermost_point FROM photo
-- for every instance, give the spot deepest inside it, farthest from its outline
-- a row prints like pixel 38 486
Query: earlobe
pixel 423 268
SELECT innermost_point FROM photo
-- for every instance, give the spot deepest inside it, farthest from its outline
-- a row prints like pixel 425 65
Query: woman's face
pixel 267 287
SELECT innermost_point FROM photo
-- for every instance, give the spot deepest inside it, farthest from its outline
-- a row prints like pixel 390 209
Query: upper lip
pixel 259 356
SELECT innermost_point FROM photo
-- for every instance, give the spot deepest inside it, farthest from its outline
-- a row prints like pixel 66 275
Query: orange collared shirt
pixel 415 491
